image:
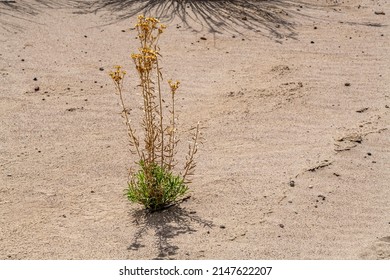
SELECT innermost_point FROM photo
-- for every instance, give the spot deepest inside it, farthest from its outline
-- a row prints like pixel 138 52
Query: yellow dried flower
pixel 173 85
pixel 118 74
pixel 161 28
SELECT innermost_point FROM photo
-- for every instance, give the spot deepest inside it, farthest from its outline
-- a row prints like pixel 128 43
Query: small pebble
pixel 369 154
pixel 36 88
pixel 222 226
pixel 101 69
pixel 347 84
pixel 35 79
pixel 292 183
pixel 322 197
pixel 281 225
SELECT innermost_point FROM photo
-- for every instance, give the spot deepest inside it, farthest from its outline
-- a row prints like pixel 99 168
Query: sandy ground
pixel 294 101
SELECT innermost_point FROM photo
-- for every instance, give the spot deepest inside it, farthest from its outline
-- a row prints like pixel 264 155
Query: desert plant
pixel 154 184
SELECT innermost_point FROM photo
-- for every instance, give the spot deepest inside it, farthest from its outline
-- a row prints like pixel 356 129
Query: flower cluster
pixel 146 24
pixel 173 85
pixel 145 60
pixel 118 74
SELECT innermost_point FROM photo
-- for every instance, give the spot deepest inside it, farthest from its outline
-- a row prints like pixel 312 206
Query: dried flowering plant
pixel 154 184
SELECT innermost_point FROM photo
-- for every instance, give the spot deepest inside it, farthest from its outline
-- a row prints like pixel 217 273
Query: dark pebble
pixel 322 196
pixel 203 38
pixel 85 36
pixel 222 226
pixel 362 110
pixel 36 88
pixel 92 191
pixel 312 42
pixel 35 79
pixel 101 69
pixel 369 154
pixel 347 84
pixel 315 27
pixel 281 225
pixel 64 216
pixel 292 183
pixel 22 59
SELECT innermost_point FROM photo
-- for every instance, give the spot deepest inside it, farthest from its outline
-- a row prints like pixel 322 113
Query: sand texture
pixel 293 97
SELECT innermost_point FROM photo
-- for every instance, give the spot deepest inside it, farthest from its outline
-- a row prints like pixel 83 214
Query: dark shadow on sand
pixel 271 18
pixel 24 11
pixel 165 225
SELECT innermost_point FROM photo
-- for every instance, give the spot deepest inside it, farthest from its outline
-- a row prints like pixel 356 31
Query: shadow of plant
pixel 166 225
pixel 23 11
pixel 271 18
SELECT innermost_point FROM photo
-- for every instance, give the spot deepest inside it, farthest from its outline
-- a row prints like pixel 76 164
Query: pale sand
pixel 275 107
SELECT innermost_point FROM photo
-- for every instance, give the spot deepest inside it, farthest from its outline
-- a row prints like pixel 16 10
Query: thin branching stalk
pixel 159 78
pixel 192 149
pixel 118 77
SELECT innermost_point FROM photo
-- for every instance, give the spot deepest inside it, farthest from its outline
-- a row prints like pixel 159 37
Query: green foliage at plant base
pixel 155 187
